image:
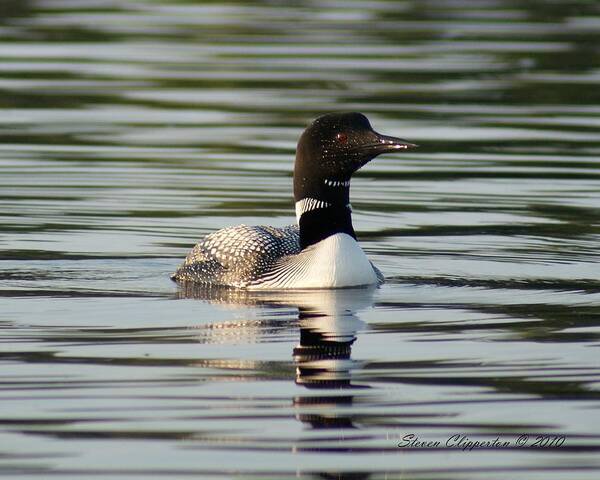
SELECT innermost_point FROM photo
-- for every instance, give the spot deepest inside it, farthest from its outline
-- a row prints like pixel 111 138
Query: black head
pixel 329 151
pixel 335 146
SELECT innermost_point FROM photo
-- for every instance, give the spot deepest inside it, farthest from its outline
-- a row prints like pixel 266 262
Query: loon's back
pixel 264 257
pixel 238 256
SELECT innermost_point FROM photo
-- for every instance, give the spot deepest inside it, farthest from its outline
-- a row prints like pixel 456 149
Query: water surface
pixel 128 130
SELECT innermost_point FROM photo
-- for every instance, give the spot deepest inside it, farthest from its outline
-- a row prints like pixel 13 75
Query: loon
pixel 321 251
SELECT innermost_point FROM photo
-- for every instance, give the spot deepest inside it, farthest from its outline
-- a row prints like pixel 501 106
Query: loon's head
pixel 329 151
pixel 332 148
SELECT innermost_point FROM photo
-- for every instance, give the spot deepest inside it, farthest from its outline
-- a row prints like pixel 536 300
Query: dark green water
pixel 130 129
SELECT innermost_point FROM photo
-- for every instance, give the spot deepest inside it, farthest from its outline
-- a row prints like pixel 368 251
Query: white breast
pixel 335 262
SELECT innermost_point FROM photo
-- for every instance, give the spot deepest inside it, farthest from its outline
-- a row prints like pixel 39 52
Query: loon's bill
pixel 321 251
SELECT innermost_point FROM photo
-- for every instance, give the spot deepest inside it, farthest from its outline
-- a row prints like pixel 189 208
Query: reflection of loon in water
pixel 328 326
pixel 327 333
pixel 321 251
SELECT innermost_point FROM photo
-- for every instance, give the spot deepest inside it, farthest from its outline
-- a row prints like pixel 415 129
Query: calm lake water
pixel 130 129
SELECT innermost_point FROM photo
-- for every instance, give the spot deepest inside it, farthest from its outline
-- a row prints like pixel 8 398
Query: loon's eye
pixel 342 137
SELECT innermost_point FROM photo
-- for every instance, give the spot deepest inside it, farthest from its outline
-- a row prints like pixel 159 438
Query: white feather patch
pixel 308 204
pixel 337 183
pixel 335 262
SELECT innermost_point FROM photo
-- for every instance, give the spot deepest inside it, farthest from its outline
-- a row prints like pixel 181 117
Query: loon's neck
pixel 324 210
pixel 320 223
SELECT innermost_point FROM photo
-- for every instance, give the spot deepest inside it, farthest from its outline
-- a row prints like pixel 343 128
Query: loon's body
pixel 263 257
pixel 321 251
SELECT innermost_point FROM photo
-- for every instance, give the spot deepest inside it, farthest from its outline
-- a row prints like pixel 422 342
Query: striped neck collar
pixel 318 219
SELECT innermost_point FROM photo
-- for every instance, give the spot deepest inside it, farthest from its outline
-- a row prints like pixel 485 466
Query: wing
pixel 236 256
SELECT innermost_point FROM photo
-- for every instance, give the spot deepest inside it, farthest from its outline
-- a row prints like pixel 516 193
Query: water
pixel 128 130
